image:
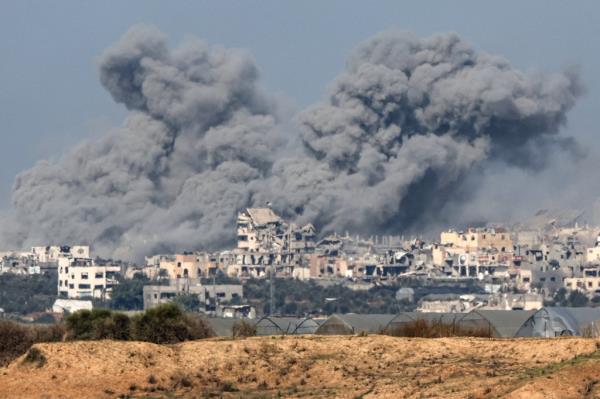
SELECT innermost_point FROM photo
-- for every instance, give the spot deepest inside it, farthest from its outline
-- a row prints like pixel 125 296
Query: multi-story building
pixel 586 280
pixel 475 239
pixel 264 240
pixel 208 295
pixel 51 254
pixel 82 278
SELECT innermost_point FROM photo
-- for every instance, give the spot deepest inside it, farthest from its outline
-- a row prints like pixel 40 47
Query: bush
pixel 35 356
pixel 242 329
pixel 16 339
pixel 167 323
pixel 188 302
pixel 98 324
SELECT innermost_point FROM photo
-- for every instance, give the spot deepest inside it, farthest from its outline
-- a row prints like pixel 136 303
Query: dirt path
pixel 310 366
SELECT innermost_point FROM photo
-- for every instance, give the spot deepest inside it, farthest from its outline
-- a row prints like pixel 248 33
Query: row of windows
pixel 580 284
pixel 80 286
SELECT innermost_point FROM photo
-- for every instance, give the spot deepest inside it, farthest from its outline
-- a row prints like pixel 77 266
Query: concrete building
pixel 209 295
pixel 476 239
pixel 82 278
pixel 588 281
pixel 593 254
pixel 264 240
pixel 51 254
pixel 62 305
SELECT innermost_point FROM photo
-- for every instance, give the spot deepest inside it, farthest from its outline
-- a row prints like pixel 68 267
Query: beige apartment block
pixel 180 266
pixel 587 284
pixel 81 278
pixel 475 239
pixel 592 255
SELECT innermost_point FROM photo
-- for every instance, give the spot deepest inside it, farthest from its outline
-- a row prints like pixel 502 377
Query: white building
pixel 51 254
pixel 71 305
pixel 81 278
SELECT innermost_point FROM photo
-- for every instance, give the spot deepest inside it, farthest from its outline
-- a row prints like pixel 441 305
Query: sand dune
pixel 310 366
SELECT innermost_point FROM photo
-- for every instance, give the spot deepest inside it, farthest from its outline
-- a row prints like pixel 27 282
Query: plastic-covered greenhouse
pixel 562 321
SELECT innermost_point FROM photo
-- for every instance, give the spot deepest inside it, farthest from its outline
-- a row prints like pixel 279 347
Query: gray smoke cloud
pixel 404 125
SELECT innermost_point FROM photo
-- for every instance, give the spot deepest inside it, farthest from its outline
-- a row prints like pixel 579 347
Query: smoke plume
pixel 404 125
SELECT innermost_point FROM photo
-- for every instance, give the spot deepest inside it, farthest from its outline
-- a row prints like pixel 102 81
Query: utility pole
pixel 272 292
pixel 271 277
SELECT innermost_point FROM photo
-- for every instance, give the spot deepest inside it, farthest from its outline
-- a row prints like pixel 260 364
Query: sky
pixel 51 97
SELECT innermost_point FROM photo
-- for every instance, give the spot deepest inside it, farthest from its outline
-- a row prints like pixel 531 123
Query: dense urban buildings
pixel 511 268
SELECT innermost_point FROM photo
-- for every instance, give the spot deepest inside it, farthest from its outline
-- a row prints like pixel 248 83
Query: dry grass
pixel 436 329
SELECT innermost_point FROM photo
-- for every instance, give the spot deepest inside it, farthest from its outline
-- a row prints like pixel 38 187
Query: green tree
pixel 578 299
pixel 560 297
pixel 188 302
pixel 98 324
pixel 129 293
pixel 26 294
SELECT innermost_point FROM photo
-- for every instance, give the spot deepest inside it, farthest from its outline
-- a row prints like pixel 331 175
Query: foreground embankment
pixel 308 366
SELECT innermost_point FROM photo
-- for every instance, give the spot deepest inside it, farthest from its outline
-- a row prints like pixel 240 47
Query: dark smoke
pixel 404 125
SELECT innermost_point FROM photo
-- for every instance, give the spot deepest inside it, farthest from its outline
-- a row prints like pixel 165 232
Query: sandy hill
pixel 310 366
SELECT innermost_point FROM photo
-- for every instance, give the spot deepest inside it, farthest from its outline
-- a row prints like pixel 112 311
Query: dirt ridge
pixel 308 366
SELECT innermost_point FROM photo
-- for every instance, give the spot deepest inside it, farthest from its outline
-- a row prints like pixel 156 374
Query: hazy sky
pixel 50 96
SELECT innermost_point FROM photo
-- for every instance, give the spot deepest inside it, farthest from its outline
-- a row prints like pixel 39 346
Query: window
pixel 553 279
pixel 98 287
pixel 71 286
pixel 525 279
pixel 99 275
pixel 84 286
pixel 84 276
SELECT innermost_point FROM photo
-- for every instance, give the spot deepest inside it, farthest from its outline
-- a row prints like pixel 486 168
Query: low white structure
pixel 71 305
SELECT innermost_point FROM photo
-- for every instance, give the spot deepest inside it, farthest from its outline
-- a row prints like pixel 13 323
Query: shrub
pixel 167 323
pixel 435 329
pixel 188 302
pixel 198 328
pixel 98 324
pixel 16 339
pixel 228 386
pixel 242 329
pixel 35 356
